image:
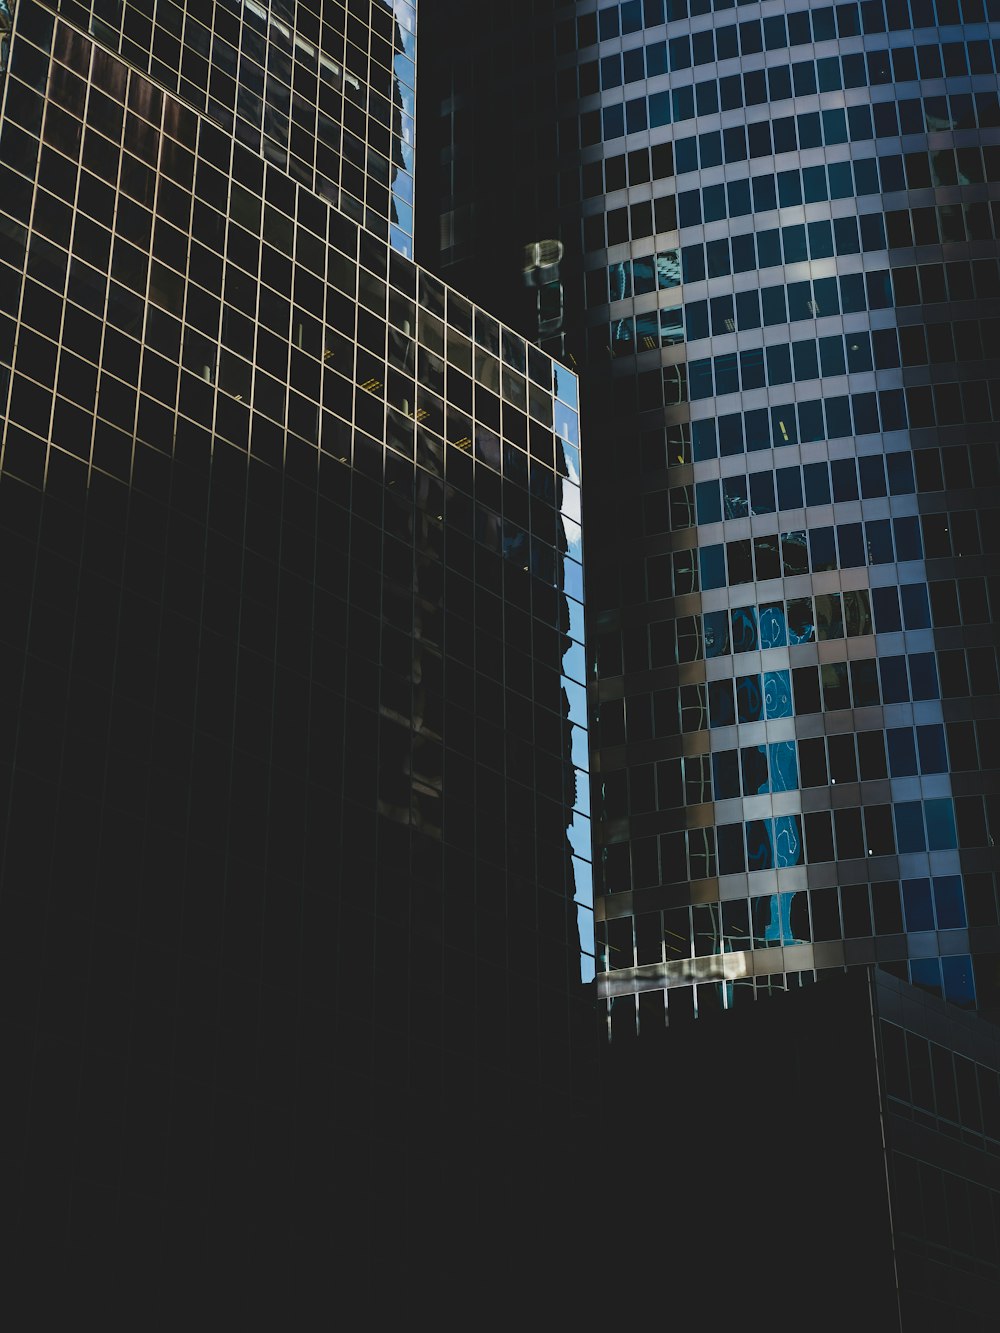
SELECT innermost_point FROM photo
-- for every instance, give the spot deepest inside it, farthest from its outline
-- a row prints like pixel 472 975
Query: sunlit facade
pixel 781 284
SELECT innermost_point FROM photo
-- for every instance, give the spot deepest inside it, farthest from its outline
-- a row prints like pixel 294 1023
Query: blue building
pixel 780 273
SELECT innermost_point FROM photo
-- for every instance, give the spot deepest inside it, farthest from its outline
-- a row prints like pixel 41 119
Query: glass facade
pixel 297 898
pixel 780 267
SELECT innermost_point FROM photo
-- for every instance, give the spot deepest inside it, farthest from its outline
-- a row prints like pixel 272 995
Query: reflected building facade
pixel 296 906
pixel 780 273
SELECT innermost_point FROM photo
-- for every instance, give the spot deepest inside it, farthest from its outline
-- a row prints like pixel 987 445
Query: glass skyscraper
pixel 296 851
pixel 779 269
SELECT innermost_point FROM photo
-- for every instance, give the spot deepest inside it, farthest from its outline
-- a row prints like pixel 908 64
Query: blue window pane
pixel 892 671
pixel 716 633
pixel 789 488
pixel 789 188
pixel 749 700
pixel 659 109
pixel 717 255
pixel 758 430
pixel 959 981
pixel 722 712
pixel 892 409
pixel 744 620
pixel 872 472
pixel 902 752
pixel 949 899
pixel 900 469
pixel 923 676
pixel 745 253
pixel 834 125
pixel 906 532
pixel 712 560
pixel 931 747
pixel 764 197
pixel 841 178
pixel 879 537
pixel 845 236
pixel 941 832
pixel 611 71
pixel 635 114
pixel 886 605
pixel 752 368
pixel 787 852
pixel 704 440
pixel 760 856
pixel 607 20
pixel 773 628
pixel 762 492
pixel 793 244
pixel 777 694
pixel 852 293
pixel 773 305
pixel 831 353
pixel 784 766
pixel 614 122
pixel 700 379
pixel 730 434
pixel 779 364
pixel 816 476
pixel 709 502
pixel 696 319
pixel 783 427
pixel 710 149
pixel 917 905
pixel 806 366
pixel 734 497
pixel 845 479
pixel 916 606
pixel 820 240
pixel 811 424
pixel 838 417
pixel 926 973
pixel 910 832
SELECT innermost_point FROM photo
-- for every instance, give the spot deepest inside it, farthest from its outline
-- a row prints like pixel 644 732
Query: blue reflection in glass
pixel 909 827
pixel 579 749
pixel 941 832
pixel 566 423
pixel 959 980
pixel 773 627
pixel 620 281
pixel 777 929
pixel 744 629
pixel 578 833
pixel 760 849
pixel 917 904
pixel 749 700
pixel 573 662
pixel 787 841
pixel 949 899
pixel 930 743
pixel 583 881
pixel 926 973
pixel 784 766
pixel 576 701
pixel 716 633
pixel 566 387
pixel 777 694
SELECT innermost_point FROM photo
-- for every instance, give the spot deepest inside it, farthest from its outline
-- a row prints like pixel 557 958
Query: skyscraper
pixel 296 862
pixel 779 271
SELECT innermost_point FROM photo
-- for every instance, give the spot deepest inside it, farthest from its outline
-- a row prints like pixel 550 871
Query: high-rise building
pixel 776 228
pixel 296 909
